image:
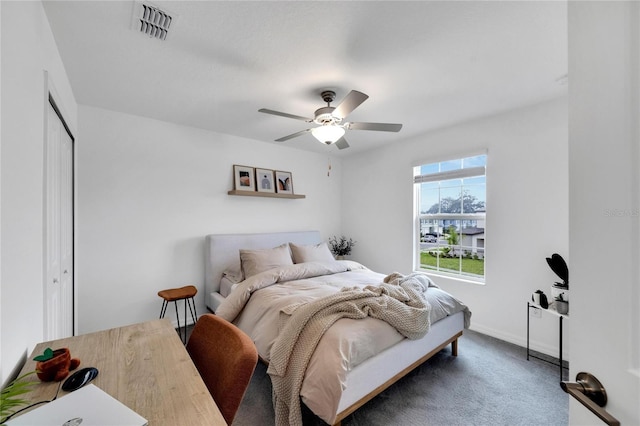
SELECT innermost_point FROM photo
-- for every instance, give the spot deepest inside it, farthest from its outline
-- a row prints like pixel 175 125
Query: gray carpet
pixel 489 383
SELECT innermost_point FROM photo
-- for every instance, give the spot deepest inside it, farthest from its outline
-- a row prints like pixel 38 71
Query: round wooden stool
pixel 185 293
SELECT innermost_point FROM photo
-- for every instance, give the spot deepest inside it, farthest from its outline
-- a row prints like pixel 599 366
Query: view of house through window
pixel 450 216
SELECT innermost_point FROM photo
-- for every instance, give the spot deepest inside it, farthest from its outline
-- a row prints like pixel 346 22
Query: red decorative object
pixel 58 367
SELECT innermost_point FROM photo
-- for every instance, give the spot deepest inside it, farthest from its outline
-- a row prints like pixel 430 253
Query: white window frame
pixel 418 216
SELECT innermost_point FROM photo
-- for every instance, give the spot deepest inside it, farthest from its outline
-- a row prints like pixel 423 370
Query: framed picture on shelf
pixel 264 180
pixel 244 178
pixel 284 182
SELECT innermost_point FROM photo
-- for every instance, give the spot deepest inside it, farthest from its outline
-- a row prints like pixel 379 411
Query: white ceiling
pixel 426 64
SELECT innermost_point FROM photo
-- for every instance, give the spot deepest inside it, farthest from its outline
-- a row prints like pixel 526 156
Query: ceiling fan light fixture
pixel 328 134
pixel 331 127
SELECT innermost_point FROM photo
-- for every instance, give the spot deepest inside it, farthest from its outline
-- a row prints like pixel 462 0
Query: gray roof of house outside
pixel 472 231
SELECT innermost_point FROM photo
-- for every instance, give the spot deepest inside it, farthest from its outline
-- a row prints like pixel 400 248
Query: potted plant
pixel 54 365
pixel 341 246
pixel 562 306
pixel 559 266
pixel 10 398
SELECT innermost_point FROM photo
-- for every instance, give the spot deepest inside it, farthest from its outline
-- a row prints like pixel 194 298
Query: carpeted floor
pixel 489 383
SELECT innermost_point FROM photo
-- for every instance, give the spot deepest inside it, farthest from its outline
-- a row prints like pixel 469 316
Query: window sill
pixel 458 278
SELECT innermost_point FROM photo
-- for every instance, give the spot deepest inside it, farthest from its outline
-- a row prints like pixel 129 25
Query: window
pixel 450 217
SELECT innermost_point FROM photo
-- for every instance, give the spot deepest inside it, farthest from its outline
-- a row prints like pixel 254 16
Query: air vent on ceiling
pixel 152 21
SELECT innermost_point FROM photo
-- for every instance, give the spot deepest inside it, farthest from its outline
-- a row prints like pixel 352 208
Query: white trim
pixel 52 94
pixel 521 340
pixel 50 90
pixel 452 276
pixel 418 217
pixel 451 174
pixel 443 158
pixel 453 216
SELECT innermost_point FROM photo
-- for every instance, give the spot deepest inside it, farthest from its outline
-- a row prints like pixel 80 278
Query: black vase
pixel 544 303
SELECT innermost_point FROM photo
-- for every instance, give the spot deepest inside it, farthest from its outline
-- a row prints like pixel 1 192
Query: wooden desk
pixel 146 367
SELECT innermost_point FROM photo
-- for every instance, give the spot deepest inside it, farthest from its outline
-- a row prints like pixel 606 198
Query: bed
pixel 354 360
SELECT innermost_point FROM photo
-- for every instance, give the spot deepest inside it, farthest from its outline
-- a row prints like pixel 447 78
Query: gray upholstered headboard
pixel 222 253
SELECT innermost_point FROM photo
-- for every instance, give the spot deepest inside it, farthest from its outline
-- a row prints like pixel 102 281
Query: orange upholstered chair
pixel 226 358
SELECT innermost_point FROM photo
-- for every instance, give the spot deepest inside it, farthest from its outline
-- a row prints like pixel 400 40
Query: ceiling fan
pixel 331 128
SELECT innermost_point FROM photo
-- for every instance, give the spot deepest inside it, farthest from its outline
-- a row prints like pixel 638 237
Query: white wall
pixel 28 49
pixel 148 193
pixel 527 212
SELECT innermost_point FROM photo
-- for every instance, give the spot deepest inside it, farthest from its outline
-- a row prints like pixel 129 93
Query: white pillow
pixel 234 274
pixel 311 253
pixel 255 261
pixel 227 286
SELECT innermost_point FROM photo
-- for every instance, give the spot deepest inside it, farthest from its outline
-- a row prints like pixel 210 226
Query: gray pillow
pixel 311 253
pixel 255 261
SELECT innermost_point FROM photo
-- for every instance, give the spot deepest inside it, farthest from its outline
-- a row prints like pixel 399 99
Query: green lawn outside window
pixel 469 266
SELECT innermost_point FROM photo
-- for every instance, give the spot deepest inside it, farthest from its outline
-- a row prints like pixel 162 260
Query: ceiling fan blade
pixel 284 114
pixel 293 135
pixel 349 103
pixel 381 127
pixel 342 143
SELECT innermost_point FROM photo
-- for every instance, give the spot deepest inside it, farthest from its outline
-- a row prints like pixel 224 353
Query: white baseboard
pixel 521 341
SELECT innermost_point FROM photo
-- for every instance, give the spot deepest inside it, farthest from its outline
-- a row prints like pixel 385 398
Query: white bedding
pixel 255 306
pixel 227 286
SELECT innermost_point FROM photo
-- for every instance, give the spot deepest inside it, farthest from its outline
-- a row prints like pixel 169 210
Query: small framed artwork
pixel 264 180
pixel 244 178
pixel 284 182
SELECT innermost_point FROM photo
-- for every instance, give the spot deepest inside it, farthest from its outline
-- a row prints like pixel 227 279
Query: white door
pixel 604 205
pixel 58 306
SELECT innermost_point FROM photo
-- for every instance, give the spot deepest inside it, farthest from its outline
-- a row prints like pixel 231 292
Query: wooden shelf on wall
pixel 265 194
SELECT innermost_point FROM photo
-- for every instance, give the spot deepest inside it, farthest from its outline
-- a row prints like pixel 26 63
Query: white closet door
pixel 58 304
pixel 66 232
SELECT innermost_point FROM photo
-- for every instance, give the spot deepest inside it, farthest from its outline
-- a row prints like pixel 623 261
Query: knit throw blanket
pixel 399 301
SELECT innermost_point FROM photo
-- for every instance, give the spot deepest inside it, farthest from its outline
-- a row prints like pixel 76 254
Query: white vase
pixel 535 297
pixel 556 291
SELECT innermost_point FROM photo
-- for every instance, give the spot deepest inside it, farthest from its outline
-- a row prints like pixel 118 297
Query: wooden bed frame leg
pixel 454 348
pixel 338 424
